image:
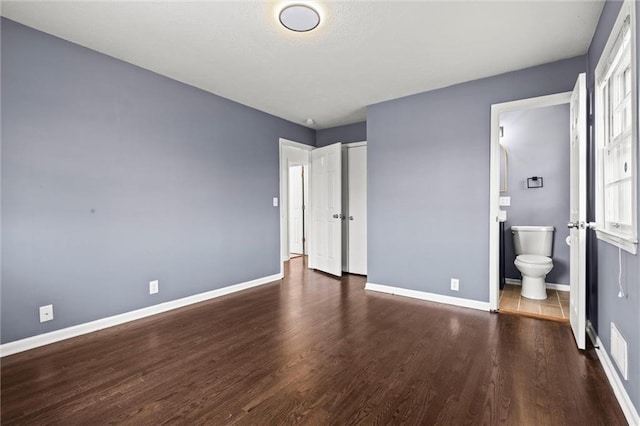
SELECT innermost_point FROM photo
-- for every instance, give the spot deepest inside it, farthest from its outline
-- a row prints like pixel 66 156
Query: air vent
pixel 619 350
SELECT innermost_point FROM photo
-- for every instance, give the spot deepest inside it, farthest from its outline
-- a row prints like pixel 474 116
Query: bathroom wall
pixel 537 143
pixel 113 176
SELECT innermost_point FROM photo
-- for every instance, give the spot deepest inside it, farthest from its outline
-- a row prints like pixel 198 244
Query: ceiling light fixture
pixel 299 17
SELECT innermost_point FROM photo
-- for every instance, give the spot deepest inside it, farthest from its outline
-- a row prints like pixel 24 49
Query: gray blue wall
pixel 605 306
pixel 537 142
pixel 428 180
pixel 113 176
pixel 356 132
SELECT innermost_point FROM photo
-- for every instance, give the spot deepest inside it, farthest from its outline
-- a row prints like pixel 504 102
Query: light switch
pixel 275 201
pixel 505 201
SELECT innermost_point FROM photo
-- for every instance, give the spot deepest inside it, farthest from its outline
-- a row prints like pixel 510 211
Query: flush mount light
pixel 299 18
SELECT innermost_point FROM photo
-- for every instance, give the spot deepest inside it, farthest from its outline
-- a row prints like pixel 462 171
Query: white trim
pixel 432 297
pixel 552 286
pixel 620 392
pixel 25 344
pixel 625 244
pixel 628 242
pixel 494 181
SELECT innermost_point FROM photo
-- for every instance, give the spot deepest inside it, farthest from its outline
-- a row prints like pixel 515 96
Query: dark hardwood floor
pixel 315 350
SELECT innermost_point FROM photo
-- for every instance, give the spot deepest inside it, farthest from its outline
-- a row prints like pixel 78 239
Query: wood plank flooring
pixel 313 349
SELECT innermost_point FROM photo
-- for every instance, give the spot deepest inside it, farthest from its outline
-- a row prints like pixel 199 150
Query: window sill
pixel 626 244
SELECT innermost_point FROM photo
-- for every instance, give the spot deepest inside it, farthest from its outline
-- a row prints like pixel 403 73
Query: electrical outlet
pixel 153 287
pixel 46 313
pixel 455 284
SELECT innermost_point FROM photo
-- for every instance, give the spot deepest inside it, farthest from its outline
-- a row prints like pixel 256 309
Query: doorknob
pixel 581 225
pixel 350 217
pixel 338 216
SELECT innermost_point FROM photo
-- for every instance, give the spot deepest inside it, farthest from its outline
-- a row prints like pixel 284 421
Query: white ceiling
pixel 362 53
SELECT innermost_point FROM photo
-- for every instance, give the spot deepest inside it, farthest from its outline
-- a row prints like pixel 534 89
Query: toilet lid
pixel 534 259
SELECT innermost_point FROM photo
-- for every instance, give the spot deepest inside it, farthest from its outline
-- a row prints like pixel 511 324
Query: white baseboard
pixel 25 344
pixel 432 297
pixel 620 392
pixel 552 286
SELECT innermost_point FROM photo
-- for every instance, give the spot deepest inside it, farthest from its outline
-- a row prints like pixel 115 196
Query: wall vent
pixel 619 350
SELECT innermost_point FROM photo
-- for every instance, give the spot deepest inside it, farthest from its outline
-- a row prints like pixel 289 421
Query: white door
pixel 357 215
pixel 578 212
pixel 325 239
pixel 296 210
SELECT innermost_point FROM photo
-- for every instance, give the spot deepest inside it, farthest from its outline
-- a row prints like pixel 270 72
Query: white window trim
pixel 626 242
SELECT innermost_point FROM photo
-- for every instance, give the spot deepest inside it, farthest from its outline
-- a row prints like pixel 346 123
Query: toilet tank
pixel 533 240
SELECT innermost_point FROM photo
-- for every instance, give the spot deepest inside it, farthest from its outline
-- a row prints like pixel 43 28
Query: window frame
pixel 627 238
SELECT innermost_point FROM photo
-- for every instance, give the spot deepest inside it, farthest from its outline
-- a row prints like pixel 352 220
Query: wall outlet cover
pixel 275 201
pixel 46 313
pixel 153 287
pixel 455 284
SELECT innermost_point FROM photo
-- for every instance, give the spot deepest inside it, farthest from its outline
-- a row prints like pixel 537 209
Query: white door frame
pixel 494 181
pixel 284 148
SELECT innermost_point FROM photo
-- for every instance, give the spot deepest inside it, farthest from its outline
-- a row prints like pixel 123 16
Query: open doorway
pixel 534 194
pixel 531 266
pixel 323 206
pixel 298 190
pixel 521 203
pixel 293 156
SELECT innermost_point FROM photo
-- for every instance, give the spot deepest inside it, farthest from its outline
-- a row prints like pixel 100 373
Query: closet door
pixel 357 206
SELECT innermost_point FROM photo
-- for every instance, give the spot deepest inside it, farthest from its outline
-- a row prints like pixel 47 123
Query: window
pixel 616 138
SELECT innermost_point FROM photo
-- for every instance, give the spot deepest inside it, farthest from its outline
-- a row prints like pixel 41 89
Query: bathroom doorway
pixel 534 194
pixel 533 184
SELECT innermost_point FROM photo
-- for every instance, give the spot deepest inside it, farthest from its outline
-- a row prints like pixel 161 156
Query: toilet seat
pixel 534 259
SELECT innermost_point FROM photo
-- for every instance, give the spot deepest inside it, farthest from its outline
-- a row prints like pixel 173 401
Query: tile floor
pixel 556 305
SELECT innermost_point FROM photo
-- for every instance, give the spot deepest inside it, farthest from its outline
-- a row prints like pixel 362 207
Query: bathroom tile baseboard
pixel 431 297
pixel 551 286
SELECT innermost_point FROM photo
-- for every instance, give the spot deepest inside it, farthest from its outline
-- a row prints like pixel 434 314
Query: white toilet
pixel 533 245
